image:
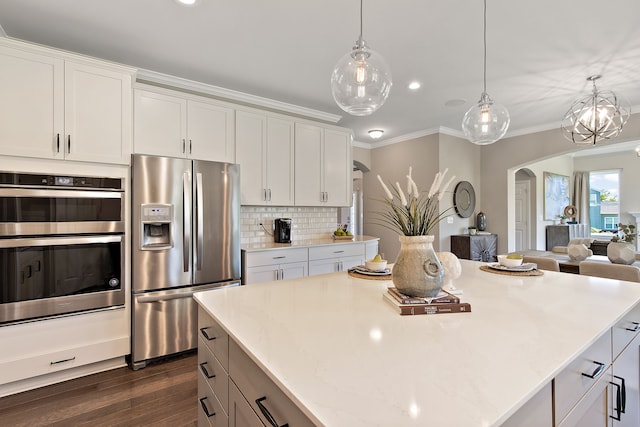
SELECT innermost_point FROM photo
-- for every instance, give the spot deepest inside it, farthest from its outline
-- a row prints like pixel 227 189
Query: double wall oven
pixel 61 245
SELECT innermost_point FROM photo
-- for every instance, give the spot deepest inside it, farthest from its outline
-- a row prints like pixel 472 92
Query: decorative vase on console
pixel 417 271
pixel 621 250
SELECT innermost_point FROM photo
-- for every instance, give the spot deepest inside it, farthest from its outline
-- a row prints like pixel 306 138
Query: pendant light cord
pixel 485 47
pixel 361 19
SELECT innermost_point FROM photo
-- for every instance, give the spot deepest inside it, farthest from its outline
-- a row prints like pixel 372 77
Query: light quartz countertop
pixel 347 358
pixel 306 243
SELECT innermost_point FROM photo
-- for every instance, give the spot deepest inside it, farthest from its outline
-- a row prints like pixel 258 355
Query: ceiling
pixel 539 52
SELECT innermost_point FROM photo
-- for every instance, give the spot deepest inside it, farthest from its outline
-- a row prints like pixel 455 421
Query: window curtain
pixel 580 197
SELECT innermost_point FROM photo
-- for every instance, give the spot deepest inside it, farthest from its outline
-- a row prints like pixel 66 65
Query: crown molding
pixel 148 76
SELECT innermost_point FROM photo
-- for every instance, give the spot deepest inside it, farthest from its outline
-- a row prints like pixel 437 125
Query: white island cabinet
pixel 57 105
pixel 344 357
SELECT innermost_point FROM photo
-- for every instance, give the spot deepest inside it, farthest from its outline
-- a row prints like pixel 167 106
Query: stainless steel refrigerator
pixel 185 239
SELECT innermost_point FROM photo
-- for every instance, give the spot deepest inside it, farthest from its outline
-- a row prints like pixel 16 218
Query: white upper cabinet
pixel 323 166
pixel 170 123
pixel 265 152
pixel 97 114
pixel 63 107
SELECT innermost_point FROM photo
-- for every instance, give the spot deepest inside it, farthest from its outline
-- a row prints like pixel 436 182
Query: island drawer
pixel 336 251
pixel 625 331
pixel 276 256
pixel 214 374
pixel 214 337
pixel 579 377
pixel 210 411
pixel 261 392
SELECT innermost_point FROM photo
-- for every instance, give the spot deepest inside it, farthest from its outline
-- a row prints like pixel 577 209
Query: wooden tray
pixel 511 273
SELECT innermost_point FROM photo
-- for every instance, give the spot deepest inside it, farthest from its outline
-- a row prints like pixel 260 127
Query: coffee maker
pixel 282 232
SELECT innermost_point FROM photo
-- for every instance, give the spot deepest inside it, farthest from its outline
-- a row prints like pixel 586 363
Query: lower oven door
pixel 50 276
pixel 166 322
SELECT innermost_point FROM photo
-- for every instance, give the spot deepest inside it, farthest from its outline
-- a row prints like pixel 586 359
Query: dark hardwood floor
pixel 162 394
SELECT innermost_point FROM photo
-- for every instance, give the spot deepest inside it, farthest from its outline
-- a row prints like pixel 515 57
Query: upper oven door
pixel 32 212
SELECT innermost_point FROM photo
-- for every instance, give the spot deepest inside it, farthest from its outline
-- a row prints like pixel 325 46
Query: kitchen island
pixel 345 357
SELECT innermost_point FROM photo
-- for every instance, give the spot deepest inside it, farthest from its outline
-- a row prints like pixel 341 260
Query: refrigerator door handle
pixel 186 226
pixel 148 299
pixel 199 221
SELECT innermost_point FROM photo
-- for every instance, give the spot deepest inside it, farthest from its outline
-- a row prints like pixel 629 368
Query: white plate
pixel 523 267
pixel 363 270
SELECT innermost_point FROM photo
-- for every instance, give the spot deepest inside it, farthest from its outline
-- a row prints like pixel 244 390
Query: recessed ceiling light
pixel 375 133
pixel 415 85
pixel 187 2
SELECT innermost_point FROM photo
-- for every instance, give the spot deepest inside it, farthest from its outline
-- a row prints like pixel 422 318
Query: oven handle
pixel 59 241
pixel 57 193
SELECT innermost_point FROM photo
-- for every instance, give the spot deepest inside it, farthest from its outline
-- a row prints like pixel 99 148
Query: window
pixel 604 209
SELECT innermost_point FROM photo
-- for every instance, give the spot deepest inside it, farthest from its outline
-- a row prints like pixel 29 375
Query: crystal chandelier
pixel 594 118
pixel 486 122
pixel 361 79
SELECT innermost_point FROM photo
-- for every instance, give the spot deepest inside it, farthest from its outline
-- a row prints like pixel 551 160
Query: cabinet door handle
pixel 269 194
pixel 636 327
pixel 69 144
pixel 623 394
pixel 204 333
pixel 618 402
pixel 189 146
pixel 267 414
pixel 596 372
pixel 184 145
pixel 205 372
pixel 57 143
pixel 205 409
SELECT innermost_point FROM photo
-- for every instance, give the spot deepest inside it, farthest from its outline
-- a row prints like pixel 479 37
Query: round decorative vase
pixel 621 253
pixel 417 272
pixel 481 221
pixel 578 252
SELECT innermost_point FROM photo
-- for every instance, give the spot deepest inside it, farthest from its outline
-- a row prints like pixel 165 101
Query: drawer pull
pixel 203 331
pixel 205 409
pixel 596 371
pixel 338 252
pixel 71 359
pixel 267 414
pixel 205 372
pixel 636 327
pixel 279 257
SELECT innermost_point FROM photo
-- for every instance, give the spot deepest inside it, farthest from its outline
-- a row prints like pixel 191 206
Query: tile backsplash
pixel 307 223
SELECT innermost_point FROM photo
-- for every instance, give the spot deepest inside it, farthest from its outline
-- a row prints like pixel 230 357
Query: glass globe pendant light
pixel 486 122
pixel 594 118
pixel 361 79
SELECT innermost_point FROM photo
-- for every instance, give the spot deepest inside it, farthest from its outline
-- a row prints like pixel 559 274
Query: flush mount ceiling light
pixel 361 79
pixel 594 118
pixel 486 122
pixel 375 133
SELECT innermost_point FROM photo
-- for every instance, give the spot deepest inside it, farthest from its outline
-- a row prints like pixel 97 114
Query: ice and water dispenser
pixel 156 226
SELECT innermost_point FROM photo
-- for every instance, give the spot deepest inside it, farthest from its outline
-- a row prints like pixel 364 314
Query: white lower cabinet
pixel 43 352
pixel 279 264
pixel 332 258
pixel 538 411
pixel 625 384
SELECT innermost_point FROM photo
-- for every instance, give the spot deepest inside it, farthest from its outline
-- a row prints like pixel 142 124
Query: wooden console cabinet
pixel 481 247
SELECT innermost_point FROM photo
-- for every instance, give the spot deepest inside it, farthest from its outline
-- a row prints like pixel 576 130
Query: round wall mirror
pixel 464 199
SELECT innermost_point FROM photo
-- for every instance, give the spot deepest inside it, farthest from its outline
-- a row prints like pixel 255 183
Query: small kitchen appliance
pixel 282 233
